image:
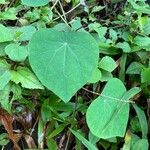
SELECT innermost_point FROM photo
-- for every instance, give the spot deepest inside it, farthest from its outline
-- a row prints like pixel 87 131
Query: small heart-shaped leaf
pixel 107 116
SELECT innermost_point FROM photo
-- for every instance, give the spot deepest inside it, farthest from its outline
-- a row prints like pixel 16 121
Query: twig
pixel 68 11
pixel 62 17
pixel 34 125
pixel 54 5
pixel 62 10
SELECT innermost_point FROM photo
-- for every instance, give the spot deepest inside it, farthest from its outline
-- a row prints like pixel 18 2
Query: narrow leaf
pixel 142 120
pixel 86 143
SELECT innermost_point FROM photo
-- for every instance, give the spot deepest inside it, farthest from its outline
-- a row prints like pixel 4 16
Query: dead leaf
pixel 7 121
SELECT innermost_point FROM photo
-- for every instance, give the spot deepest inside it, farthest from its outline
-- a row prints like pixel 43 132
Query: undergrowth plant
pixel 74 74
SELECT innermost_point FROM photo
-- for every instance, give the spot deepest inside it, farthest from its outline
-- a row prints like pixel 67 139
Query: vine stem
pixel 54 5
pixel 68 11
pixel 62 10
pixel 62 17
pixel 112 98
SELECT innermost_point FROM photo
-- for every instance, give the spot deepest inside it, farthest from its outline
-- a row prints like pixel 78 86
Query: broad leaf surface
pixel 25 33
pixel 145 75
pixel 5 34
pixel 63 61
pixel 26 78
pixel 107 63
pixel 96 76
pixel 141 144
pixel 2 1
pixel 5 77
pixel 4 98
pixel 107 116
pixel 35 3
pixel 134 68
pixel 16 52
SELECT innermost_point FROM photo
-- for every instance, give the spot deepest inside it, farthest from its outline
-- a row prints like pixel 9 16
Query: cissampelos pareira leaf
pixel 107 116
pixel 63 61
pixel 16 52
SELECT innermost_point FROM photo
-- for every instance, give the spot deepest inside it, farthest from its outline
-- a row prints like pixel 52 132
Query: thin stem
pixel 54 5
pixel 112 98
pixel 62 18
pixel 62 10
pixel 68 11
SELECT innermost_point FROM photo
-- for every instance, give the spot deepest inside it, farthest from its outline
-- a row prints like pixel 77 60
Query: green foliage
pixel 25 33
pixel 84 141
pixel 71 73
pixel 142 120
pixel 26 78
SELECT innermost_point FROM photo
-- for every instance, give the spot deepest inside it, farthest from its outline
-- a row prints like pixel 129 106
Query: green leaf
pixel 58 130
pixel 63 61
pixel 141 144
pixel 46 112
pixel 142 120
pixel 142 41
pixel 96 76
pixel 16 52
pixel 17 92
pixel 112 104
pixel 35 3
pixel 135 125
pixel 40 133
pixel 25 32
pixel 5 77
pixel 26 78
pixel 93 139
pixel 106 75
pixel 113 34
pixel 124 46
pixel 3 2
pixel 5 34
pixel 145 75
pixel 51 143
pixel 134 68
pixel 3 139
pixel 86 143
pixel 144 23
pixel 97 9
pixel 2 48
pixel 9 14
pixel 140 7
pixel 107 63
pixel 4 98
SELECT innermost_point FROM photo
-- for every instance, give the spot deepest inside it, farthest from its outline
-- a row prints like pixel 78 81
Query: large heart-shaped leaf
pixel 107 116
pixel 63 61
pixel 35 3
